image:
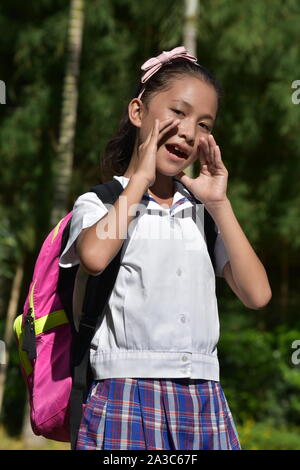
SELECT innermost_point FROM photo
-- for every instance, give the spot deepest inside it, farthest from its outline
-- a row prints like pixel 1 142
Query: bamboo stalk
pixel 190 42
pixel 64 161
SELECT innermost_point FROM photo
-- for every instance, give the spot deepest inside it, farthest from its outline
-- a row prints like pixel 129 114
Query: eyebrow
pixel 188 105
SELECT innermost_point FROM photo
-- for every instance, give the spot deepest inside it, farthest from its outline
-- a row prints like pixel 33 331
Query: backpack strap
pixel 211 236
pixel 98 289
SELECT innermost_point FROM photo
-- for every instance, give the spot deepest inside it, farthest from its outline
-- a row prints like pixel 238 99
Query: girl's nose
pixel 187 132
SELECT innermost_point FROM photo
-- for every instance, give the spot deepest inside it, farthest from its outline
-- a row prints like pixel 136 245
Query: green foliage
pixel 255 56
pixel 8 246
pixel 266 436
pixel 259 378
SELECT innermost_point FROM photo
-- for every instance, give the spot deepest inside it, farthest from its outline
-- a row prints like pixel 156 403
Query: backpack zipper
pixel 29 340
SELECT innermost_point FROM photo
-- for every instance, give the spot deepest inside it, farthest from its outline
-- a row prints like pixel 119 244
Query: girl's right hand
pixel 147 150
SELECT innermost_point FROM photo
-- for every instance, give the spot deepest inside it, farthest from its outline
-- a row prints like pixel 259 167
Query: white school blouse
pixel 161 319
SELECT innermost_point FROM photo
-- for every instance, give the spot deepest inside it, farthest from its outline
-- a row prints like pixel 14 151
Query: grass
pixel 36 443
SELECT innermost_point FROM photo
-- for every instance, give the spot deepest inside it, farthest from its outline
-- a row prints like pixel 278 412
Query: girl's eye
pixel 206 127
pixel 177 111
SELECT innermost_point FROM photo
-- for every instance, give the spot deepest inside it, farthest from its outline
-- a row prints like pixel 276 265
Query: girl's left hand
pixel 211 184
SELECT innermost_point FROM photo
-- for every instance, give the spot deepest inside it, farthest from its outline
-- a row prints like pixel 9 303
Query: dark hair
pixel 118 151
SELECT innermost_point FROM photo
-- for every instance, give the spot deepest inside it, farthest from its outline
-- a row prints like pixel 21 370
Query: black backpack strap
pixel 66 279
pixel 210 235
pixel 98 290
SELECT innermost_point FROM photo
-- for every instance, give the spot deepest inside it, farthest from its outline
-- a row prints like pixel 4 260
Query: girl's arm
pixel 244 273
pixel 94 248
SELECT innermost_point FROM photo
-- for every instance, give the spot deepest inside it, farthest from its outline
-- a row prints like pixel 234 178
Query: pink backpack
pixel 45 362
pixel 54 357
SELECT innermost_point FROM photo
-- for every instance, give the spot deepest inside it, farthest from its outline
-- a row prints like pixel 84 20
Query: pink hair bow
pixel 152 65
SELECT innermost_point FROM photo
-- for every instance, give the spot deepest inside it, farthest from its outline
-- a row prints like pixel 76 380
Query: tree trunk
pixel 11 314
pixel 64 161
pixel 190 41
pixel 284 284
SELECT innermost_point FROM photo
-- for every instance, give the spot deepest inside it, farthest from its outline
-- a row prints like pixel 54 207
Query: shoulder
pixel 89 197
pixel 87 208
pixel 88 201
pixel 96 199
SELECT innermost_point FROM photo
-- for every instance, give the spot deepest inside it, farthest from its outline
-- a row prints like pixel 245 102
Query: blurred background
pixel 69 70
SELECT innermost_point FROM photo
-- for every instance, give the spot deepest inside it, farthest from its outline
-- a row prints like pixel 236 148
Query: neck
pixel 163 186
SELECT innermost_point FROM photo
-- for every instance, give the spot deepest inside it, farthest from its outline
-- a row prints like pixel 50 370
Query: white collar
pixel 181 193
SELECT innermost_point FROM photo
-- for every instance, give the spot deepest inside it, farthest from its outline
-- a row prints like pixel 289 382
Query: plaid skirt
pixel 139 413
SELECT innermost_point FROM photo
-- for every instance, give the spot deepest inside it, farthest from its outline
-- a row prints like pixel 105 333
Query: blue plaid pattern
pixel 136 414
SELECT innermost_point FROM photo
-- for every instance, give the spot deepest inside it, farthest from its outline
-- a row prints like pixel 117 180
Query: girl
pixel 154 353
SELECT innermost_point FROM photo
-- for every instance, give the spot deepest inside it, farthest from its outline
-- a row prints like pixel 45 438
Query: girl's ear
pixel 136 111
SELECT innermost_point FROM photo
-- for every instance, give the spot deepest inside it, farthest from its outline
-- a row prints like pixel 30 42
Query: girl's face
pixel 192 101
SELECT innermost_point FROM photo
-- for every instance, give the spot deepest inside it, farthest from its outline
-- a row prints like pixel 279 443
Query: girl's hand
pixel 147 150
pixel 211 184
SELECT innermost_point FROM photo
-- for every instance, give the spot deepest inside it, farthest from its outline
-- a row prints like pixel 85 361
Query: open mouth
pixel 175 151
